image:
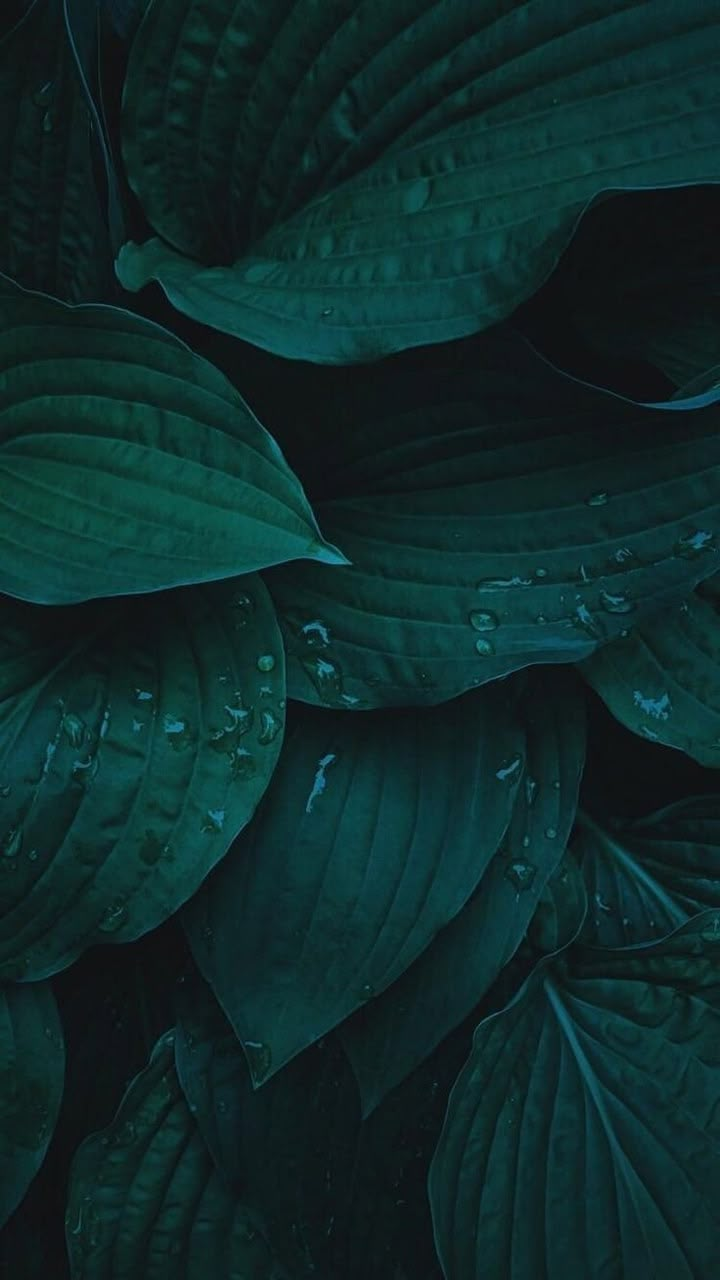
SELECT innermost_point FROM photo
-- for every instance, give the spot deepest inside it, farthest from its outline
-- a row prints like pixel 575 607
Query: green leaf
pixel 136 743
pixel 513 516
pixel 128 464
pixel 375 832
pixel 146 1199
pixel 341 1197
pixel 374 177
pixel 52 234
pixel 662 680
pixel 647 877
pixel 32 1070
pixel 582 1137
pixel 390 1035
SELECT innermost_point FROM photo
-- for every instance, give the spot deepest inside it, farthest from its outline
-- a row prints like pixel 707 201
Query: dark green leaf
pixel 390 1035
pixel 375 832
pixel 136 742
pixel 145 1198
pixel 662 680
pixel 385 175
pixel 648 876
pixel 511 517
pixel 32 1069
pixel 128 464
pixel 583 1136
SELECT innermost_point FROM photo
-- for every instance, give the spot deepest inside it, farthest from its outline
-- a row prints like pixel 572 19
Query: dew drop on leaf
pixel 483 620
pixel 615 603
pixel 484 647
pixel 270 727
pixel 12 844
pixel 74 729
pixel 597 499
pixel 113 917
pixel 259 1058
pixel 265 662
pixel 520 875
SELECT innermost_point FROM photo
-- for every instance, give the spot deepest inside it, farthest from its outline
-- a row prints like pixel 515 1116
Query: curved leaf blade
pixel 135 745
pixel 146 1199
pixel 662 680
pixel 388 1037
pixel 582 1136
pixel 32 1072
pixel 128 464
pixel 375 833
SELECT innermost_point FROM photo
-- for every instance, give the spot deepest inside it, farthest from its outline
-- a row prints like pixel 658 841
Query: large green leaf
pixel 389 174
pixel 128 464
pixel 135 744
pixel 374 834
pixel 512 516
pixel 390 1035
pixel 52 234
pixel 342 1197
pixel 145 1198
pixel 32 1069
pixel 648 876
pixel 662 680
pixel 582 1137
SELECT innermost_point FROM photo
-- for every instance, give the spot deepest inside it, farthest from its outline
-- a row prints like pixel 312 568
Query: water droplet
pixel 510 768
pixel 622 554
pixel 693 544
pixel 502 584
pixel 710 931
pixel 327 311
pixel 74 729
pixel 520 875
pixel 33 854
pixel 367 991
pixel 104 723
pixel 615 603
pixel 5 792
pixel 483 620
pixel 583 618
pixel 603 905
pixel 84 771
pixel 44 95
pixel 258 272
pixel 242 764
pixel 259 1058
pixel 326 677
pixel 315 634
pixel 48 123
pixel 214 821
pixel 12 844
pixel 597 500
pixel 137 725
pixel 151 849
pixel 113 917
pixel 541 573
pixel 531 788
pixel 541 619
pixel 550 833
pixel 415 196
pixel 526 842
pixel 659 708
pixel 484 647
pixel 320 781
pixel 142 695
pixel 242 607
pixel 270 727
pixel 265 662
pixel 177 732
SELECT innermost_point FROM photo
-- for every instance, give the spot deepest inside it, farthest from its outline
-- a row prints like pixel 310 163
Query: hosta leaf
pixel 583 1135
pixel 648 876
pixel 662 680
pixel 391 1034
pixel 32 1069
pixel 384 175
pixel 515 517
pixel 128 464
pixel 375 833
pixel 341 1197
pixel 145 1198
pixel 136 742
pixel 52 234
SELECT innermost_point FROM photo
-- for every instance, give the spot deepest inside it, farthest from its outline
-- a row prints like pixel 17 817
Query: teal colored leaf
pixel 336 182
pixel 662 680
pixel 52 234
pixel 135 744
pixel 389 1036
pixel 341 1196
pixel 128 464
pixel 32 1071
pixel 647 877
pixel 511 517
pixel 145 1198
pixel 582 1137
pixel 375 832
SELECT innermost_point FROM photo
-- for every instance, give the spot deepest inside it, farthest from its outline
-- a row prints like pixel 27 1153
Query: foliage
pixel 359 640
